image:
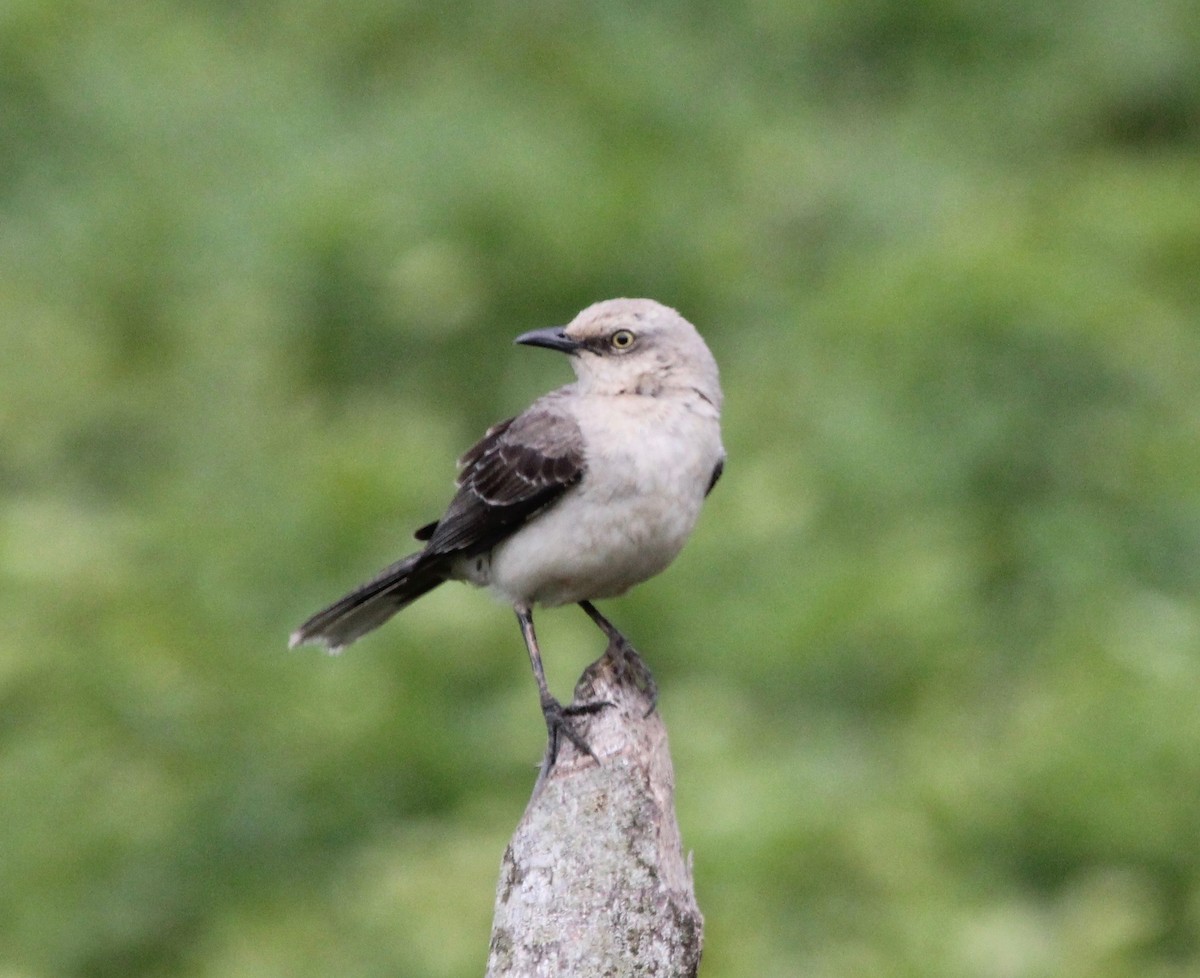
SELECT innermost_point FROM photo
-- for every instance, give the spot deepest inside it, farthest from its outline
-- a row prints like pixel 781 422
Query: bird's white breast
pixel 649 463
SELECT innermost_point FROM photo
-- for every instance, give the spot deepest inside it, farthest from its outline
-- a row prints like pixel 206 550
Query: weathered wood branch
pixel 594 881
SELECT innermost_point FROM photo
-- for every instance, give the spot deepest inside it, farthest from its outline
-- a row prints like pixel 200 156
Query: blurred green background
pixel 931 664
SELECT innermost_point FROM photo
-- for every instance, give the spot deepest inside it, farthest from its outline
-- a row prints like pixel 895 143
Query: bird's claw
pixel 559 725
pixel 632 666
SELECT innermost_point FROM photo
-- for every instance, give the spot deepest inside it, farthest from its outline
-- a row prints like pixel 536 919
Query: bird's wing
pixel 716 475
pixel 520 466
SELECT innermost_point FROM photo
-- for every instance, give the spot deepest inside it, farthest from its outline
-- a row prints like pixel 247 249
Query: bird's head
pixel 634 346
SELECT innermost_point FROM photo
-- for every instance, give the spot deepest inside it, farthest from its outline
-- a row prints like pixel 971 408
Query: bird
pixel 591 490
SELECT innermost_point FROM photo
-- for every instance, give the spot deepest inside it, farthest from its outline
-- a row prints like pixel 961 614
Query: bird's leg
pixel 625 655
pixel 557 716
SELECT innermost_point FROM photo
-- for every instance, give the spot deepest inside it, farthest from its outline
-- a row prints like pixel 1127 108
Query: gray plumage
pixel 591 490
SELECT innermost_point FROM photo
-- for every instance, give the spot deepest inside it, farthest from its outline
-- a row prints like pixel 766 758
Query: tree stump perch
pixel 594 881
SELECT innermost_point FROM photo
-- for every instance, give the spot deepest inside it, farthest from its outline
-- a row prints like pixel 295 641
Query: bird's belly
pixel 578 550
pixel 624 523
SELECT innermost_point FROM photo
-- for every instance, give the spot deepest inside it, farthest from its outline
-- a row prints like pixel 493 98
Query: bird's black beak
pixel 552 338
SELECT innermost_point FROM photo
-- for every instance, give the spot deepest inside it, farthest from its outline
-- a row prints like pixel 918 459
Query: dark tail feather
pixel 368 606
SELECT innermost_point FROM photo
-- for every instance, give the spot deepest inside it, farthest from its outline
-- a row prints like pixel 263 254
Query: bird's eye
pixel 622 339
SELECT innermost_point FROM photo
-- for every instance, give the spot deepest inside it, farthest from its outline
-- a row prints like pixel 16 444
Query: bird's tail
pixel 369 605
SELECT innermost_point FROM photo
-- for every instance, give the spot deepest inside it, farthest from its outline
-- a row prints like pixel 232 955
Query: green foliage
pixel 931 664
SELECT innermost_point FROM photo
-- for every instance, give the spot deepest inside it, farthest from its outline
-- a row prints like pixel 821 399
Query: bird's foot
pixel 560 724
pixel 631 667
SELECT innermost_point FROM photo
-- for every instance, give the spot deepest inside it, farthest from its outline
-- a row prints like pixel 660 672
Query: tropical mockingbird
pixel 591 490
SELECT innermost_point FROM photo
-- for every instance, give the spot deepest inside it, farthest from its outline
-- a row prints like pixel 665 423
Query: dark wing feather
pixel 712 482
pixel 517 468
